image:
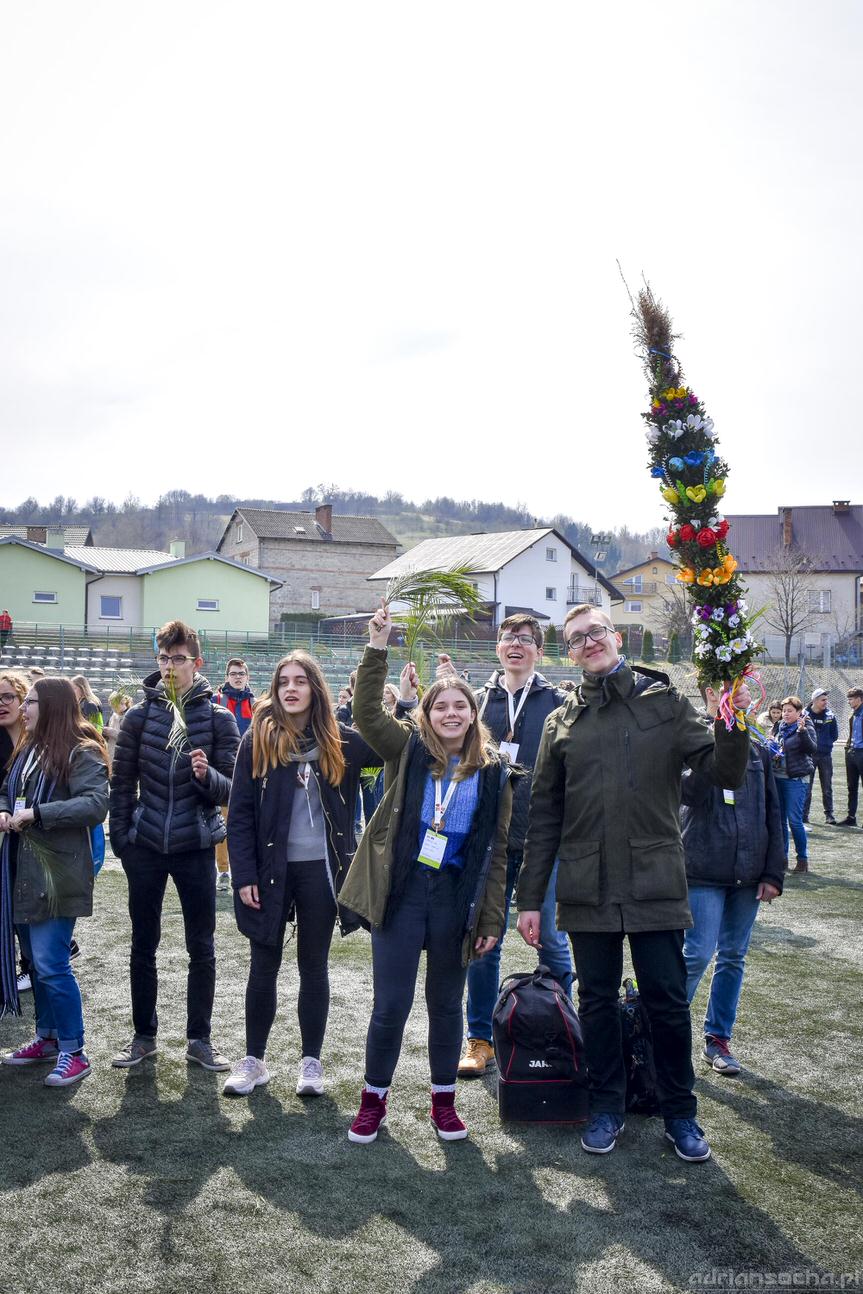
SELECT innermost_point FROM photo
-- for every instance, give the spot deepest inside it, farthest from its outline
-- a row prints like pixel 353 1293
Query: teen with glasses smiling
pixel 164 823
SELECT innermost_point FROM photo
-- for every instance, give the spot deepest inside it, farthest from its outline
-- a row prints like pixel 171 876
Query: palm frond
pixel 654 337
pixel 448 590
pixel 178 737
pixel 52 865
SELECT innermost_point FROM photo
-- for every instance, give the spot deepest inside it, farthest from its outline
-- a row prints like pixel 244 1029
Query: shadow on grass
pixel 475 1221
pixel 818 880
pixel 763 935
pixel 817 1137
pixel 53 1142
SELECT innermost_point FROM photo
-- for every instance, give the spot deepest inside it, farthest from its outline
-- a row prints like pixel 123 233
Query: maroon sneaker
pixel 447 1124
pixel 36 1052
pixel 372 1116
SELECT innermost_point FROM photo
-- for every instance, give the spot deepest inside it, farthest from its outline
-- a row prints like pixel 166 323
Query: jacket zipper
pixel 628 755
pixel 328 835
pixel 170 800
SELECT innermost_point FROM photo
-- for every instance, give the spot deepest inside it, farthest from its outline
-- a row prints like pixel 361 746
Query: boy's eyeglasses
pixel 173 660
pixel 526 640
pixel 595 634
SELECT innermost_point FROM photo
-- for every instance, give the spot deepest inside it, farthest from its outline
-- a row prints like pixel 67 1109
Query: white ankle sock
pixel 443 1087
pixel 378 1091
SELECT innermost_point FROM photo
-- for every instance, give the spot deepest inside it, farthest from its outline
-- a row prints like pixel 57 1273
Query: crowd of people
pixel 608 810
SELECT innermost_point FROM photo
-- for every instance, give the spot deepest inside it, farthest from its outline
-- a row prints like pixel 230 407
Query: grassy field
pixel 150 1180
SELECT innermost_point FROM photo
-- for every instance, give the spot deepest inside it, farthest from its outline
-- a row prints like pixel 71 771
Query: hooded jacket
pixel 826 729
pixel 240 701
pixel 606 801
pixel 542 698
pixel 733 844
pixel 156 801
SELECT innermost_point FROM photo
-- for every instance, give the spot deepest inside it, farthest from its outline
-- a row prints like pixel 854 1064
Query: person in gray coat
pixel 54 793
pixel 735 861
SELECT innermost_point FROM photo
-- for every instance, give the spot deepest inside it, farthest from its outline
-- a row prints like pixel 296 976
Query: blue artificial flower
pixel 657 471
pixel 676 464
pixel 695 459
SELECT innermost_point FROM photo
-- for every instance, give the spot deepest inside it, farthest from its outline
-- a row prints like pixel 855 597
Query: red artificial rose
pixel 671 539
pixel 706 537
pixel 722 529
pixel 687 534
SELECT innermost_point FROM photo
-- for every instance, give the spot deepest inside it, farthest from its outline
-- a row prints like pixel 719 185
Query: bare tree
pixel 791 581
pixel 672 614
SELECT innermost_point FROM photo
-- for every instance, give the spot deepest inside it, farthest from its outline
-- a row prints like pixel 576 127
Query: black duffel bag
pixel 539 1049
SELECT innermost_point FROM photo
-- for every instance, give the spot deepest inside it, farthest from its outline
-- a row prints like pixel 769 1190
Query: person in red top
pixel 238 697
pixel 5 627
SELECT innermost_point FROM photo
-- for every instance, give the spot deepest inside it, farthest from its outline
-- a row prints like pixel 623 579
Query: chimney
pixel 177 547
pixel 787 529
pixel 324 518
pixel 37 534
pixel 653 557
pixel 54 538
pixel 841 506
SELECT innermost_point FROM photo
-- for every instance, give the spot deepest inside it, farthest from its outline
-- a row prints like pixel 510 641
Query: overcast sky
pixel 247 247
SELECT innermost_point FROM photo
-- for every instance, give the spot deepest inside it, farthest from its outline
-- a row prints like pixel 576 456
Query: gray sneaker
pixel 246 1075
pixel 134 1052
pixel 200 1052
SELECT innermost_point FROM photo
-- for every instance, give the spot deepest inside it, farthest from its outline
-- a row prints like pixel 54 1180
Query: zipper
pixel 170 812
pixel 328 835
pixel 627 751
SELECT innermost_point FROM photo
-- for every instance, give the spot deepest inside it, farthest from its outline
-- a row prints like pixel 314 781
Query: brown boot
pixel 802 865
pixel 478 1055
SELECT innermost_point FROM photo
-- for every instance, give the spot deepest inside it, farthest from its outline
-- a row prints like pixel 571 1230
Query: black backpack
pixel 641 1097
pixel 539 1050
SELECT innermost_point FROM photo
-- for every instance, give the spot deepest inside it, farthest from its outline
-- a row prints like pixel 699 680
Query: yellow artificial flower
pixel 686 575
pixel 670 495
pixel 696 493
pixel 718 487
pixel 706 577
pixel 721 575
pixel 730 563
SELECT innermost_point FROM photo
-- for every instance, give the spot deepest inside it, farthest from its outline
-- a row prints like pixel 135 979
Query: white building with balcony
pixel 536 571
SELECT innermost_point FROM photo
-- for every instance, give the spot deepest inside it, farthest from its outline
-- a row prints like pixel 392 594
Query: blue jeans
pixel 56 996
pixel 792 799
pixel 483 977
pixel 724 917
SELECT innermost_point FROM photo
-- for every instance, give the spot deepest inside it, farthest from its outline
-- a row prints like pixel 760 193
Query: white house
pixel 537 571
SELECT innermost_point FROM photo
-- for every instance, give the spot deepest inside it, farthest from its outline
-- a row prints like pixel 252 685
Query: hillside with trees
pixel 200 520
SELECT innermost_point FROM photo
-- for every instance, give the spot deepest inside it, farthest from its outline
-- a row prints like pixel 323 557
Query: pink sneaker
pixel 70 1068
pixel 35 1053
pixel 371 1117
pixel 447 1124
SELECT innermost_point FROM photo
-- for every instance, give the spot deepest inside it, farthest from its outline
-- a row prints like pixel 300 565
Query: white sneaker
pixel 310 1081
pixel 246 1075
pixel 24 984
pixel 223 883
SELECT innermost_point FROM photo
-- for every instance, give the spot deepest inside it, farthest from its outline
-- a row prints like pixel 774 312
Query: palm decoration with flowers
pixel 683 458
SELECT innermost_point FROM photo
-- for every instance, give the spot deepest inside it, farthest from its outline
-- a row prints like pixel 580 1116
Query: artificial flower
pixel 652 435
pixel 738 645
pixel 696 493
pixel 687 533
pixel 706 538
pixel 669 494
pixel 706 577
pixel 675 429
pixel 695 422
pixel 734 621
pixel 717 487
pixel 721 575
pixel 723 653
pixel 707 428
pixel 675 464
pixel 686 575
pixel 672 539
pixel 658 472
pixel 695 459
pixel 717 613
pixel 723 528
pixel 730 563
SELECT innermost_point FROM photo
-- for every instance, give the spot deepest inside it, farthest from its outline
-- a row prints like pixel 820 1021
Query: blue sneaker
pixel 688 1139
pixel 600 1137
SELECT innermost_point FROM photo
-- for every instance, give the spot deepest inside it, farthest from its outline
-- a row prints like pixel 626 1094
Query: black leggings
pixel 307 885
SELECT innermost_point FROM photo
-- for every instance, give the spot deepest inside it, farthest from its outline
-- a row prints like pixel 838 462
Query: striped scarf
pixel 9 1004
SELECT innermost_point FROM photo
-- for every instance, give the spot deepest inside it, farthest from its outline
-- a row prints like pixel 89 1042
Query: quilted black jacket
pixel 156 801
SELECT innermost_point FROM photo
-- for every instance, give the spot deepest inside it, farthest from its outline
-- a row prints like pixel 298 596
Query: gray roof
pixel 72 535
pixel 119 561
pixel 482 554
pixel 833 541
pixel 276 523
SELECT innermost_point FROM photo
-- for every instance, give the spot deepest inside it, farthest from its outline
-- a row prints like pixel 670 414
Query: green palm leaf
pixel 432 598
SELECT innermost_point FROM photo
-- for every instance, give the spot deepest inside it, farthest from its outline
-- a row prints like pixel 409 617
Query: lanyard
pixel 304 772
pixel 515 710
pixel 441 805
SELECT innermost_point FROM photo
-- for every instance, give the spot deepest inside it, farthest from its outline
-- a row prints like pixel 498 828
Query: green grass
pixel 150 1179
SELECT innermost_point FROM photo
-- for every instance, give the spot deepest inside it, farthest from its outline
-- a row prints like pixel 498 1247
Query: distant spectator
pixel 235 695
pixel 13 689
pixel 5 627
pixel 854 754
pixel 826 734
pixel 792 767
pixel 768 720
pixel 120 702
pixel 91 708
pixel 34 672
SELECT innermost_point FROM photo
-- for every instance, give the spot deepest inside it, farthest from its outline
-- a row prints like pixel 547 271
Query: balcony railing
pixel 579 593
pixel 646 589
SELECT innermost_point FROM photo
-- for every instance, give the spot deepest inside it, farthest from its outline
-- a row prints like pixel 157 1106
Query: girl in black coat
pixel 290 840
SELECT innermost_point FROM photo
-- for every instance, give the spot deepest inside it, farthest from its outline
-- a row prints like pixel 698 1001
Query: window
pixel 110 607
pixel 632 606
pixel 239 535
pixel 819 599
pixel 208 604
pixel 551 554
pixel 299 530
pixel 44 597
pixel 636 583
pixel 551 595
pixel 316 599
pixel 655 570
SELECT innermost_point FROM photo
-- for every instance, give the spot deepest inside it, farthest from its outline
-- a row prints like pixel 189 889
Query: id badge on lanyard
pixel 433 847
pixel 510 747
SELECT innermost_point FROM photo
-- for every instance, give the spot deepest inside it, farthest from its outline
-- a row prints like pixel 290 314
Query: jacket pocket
pixel 579 874
pixel 657 868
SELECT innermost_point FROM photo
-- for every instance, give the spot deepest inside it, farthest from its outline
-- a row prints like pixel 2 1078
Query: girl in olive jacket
pixel 55 792
pixel 430 874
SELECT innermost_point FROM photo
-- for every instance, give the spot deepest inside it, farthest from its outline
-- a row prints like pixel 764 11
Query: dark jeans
pixel 307 885
pixel 193 874
pixel 425 918
pixel 854 771
pixel 657 956
pixel 824 768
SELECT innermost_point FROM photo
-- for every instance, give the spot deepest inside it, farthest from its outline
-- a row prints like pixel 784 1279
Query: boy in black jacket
pixel 172 769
